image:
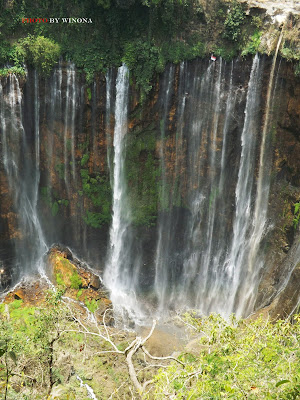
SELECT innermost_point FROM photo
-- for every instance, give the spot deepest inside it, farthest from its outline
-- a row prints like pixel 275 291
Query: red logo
pixel 34 20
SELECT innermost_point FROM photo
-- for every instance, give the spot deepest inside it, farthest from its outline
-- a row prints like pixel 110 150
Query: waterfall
pixel 259 223
pixel 54 114
pixel 236 264
pixel 37 134
pixel 212 196
pixel 202 109
pixel 222 203
pixel 120 272
pixel 212 171
pixel 216 257
pixel 162 276
pixel 93 122
pixel 22 172
pixel 69 121
pixel 108 112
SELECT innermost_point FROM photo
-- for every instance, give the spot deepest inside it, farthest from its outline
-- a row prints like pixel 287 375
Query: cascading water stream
pixel 236 264
pixel 202 109
pixel 37 135
pixel 69 128
pixel 22 172
pixel 216 258
pixel 108 113
pixel 220 234
pixel 206 252
pixel 121 272
pixel 214 115
pixel 162 276
pixel 259 223
pixel 54 114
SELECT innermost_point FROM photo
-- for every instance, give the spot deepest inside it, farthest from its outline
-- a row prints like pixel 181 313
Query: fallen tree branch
pixel 161 358
pixel 131 349
pixel 131 369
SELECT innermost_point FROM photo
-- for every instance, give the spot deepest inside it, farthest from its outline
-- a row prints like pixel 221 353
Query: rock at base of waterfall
pixel 78 281
pixel 79 284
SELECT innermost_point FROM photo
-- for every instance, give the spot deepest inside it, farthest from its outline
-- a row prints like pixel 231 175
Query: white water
pixel 91 394
pixel 23 176
pixel 162 277
pixel 216 275
pixel 214 265
pixel 236 264
pixel 108 112
pixel 54 114
pixel 120 275
pixel 259 222
pixel 69 125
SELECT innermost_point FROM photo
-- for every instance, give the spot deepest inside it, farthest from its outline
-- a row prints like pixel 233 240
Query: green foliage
pixel 91 305
pixel 257 21
pixel 253 359
pixel 238 359
pixel 94 47
pixel 89 94
pixel 290 53
pixel 59 279
pixel 97 189
pixel 85 159
pixel 94 219
pixel 76 281
pixel 253 45
pixel 145 58
pixel 146 34
pixel 296 215
pixel 63 202
pixel 290 48
pixel 297 69
pixel 54 209
pixel 60 169
pixel 178 50
pixel 233 22
pixel 6 352
pixel 226 52
pixel 46 194
pixel 52 200
pixel 5 50
pixel 142 58
pixel 104 3
pixel 16 304
pixel 122 346
pixel 17 70
pixel 38 51
pixel 142 172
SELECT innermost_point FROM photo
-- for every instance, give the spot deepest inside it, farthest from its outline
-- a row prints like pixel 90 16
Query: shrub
pixel 91 305
pixel 233 22
pixel 253 45
pixel 76 281
pixel 238 359
pixel 40 52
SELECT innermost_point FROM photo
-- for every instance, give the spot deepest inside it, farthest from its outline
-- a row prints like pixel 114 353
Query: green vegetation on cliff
pixel 142 172
pixel 97 189
pixel 145 34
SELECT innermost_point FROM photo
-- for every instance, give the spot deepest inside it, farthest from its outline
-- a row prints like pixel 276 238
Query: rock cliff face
pixel 192 166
